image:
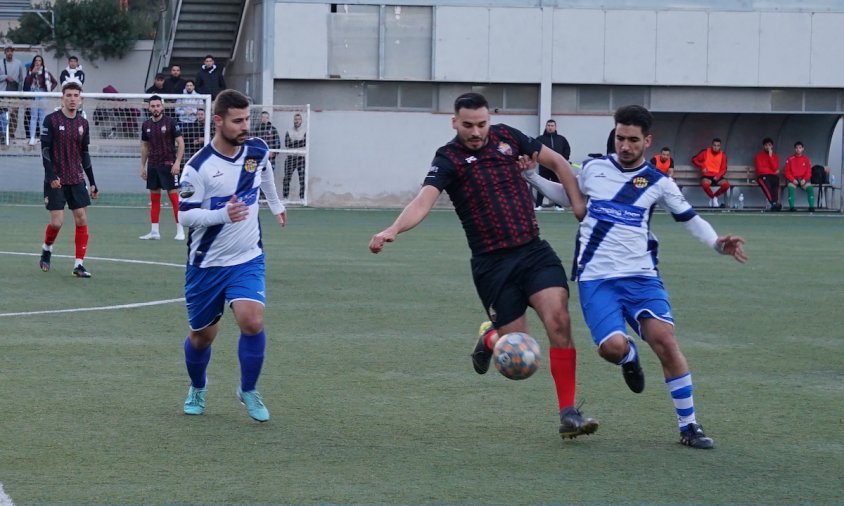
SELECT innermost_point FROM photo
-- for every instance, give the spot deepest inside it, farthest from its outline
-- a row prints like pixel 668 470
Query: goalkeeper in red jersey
pixel 64 152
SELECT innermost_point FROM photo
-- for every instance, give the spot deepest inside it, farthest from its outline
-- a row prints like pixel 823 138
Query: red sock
pixel 81 241
pixel 708 189
pixel 564 371
pixel 155 208
pixel 488 338
pixel 50 235
pixel 174 200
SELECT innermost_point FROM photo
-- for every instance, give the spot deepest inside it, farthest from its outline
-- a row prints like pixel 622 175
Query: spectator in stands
pixel 798 173
pixel 11 79
pixel 267 131
pixel 767 164
pixel 209 79
pixel 186 107
pixel 157 85
pixel 664 163
pixel 174 84
pixel 294 138
pixel 38 80
pixel 72 71
pixel 558 144
pixel 117 122
pixel 712 163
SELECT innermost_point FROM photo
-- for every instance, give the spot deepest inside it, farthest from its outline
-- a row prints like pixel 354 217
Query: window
pixel 401 96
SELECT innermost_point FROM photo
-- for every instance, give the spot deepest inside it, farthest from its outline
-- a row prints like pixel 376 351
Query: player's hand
pixel 238 211
pixel 732 245
pixel 281 218
pixel 528 163
pixel 55 184
pixel 376 244
pixel 174 170
pixel 144 174
pixel 94 192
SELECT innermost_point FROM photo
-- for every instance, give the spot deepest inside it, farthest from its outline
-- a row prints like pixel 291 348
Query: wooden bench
pixel 744 176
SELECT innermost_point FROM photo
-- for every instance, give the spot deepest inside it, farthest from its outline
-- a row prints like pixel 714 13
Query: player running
pixel 219 204
pixel 617 256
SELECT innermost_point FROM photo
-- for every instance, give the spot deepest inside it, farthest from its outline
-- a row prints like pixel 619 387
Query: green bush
pixel 96 29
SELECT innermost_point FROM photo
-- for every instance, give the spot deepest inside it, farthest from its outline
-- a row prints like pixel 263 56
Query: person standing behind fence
pixel 39 80
pixel 294 138
pixel 160 164
pixel 11 79
pixel 558 144
pixel 209 79
pixel 175 84
pixel 267 131
pixel 64 154
pixel 767 164
pixel 798 173
pixel 72 71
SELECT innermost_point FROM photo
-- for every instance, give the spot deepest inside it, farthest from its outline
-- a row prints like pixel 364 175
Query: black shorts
pixel 714 181
pixel 160 178
pixel 75 196
pixel 506 279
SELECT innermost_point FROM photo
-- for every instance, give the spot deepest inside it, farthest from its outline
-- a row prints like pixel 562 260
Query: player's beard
pixel 235 141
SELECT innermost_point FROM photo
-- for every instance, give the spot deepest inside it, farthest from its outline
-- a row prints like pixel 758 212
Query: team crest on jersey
pixel 640 182
pixel 164 129
pixel 250 166
pixel 81 130
pixel 505 149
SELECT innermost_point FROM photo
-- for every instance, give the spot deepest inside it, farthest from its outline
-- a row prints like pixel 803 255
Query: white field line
pixel 101 308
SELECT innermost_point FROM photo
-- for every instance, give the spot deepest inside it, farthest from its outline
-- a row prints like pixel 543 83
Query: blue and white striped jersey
pixel 615 238
pixel 207 184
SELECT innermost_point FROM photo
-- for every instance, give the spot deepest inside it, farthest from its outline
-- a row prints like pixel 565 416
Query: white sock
pixel 154 228
pixel 77 263
pixel 47 248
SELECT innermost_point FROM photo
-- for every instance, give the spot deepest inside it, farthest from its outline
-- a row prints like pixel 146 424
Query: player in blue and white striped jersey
pixel 218 194
pixel 616 261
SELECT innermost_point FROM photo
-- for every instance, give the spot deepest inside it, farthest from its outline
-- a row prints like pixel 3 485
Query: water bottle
pixel 741 200
pixel 832 179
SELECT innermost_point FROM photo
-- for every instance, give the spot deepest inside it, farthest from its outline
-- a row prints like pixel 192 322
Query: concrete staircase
pixel 205 27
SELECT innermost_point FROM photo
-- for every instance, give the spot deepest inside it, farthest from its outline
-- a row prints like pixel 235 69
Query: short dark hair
pixel 155 97
pixel 767 140
pixel 666 149
pixel 72 57
pixel 799 143
pixel 175 65
pixel 229 99
pixel 551 121
pixel 208 56
pixel 190 81
pixel 160 77
pixel 716 140
pixel 635 115
pixel 72 84
pixel 470 100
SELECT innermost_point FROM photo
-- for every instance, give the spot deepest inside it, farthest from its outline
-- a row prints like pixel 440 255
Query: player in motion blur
pixel 219 205
pixel 160 164
pixel 617 257
pixel 64 154
pixel 512 267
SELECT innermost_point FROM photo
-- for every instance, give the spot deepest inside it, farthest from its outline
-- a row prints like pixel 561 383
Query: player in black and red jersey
pixel 512 267
pixel 162 149
pixel 64 152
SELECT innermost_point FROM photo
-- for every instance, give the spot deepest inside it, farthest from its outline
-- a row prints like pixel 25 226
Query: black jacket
pixel 557 143
pixel 210 81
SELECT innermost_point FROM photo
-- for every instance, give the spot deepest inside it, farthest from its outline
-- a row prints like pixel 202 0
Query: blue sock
pixel 197 363
pixel 250 351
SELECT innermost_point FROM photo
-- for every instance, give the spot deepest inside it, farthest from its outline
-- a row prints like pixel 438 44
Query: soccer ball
pixel 516 355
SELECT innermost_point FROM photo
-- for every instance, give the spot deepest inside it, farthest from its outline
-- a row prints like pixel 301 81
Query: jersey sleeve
pixel 673 201
pixel 176 128
pixel 441 173
pixel 144 136
pixel 527 145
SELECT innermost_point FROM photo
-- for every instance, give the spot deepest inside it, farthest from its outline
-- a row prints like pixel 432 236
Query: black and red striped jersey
pixel 66 140
pixel 161 138
pixel 492 200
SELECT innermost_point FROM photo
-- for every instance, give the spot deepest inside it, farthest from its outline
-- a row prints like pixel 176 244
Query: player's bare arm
pixel 144 158
pixel 411 215
pixel 565 174
pixel 180 152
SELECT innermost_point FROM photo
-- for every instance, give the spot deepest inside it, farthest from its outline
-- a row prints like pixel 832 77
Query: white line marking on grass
pixel 120 260
pixel 101 308
pixel 4 499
